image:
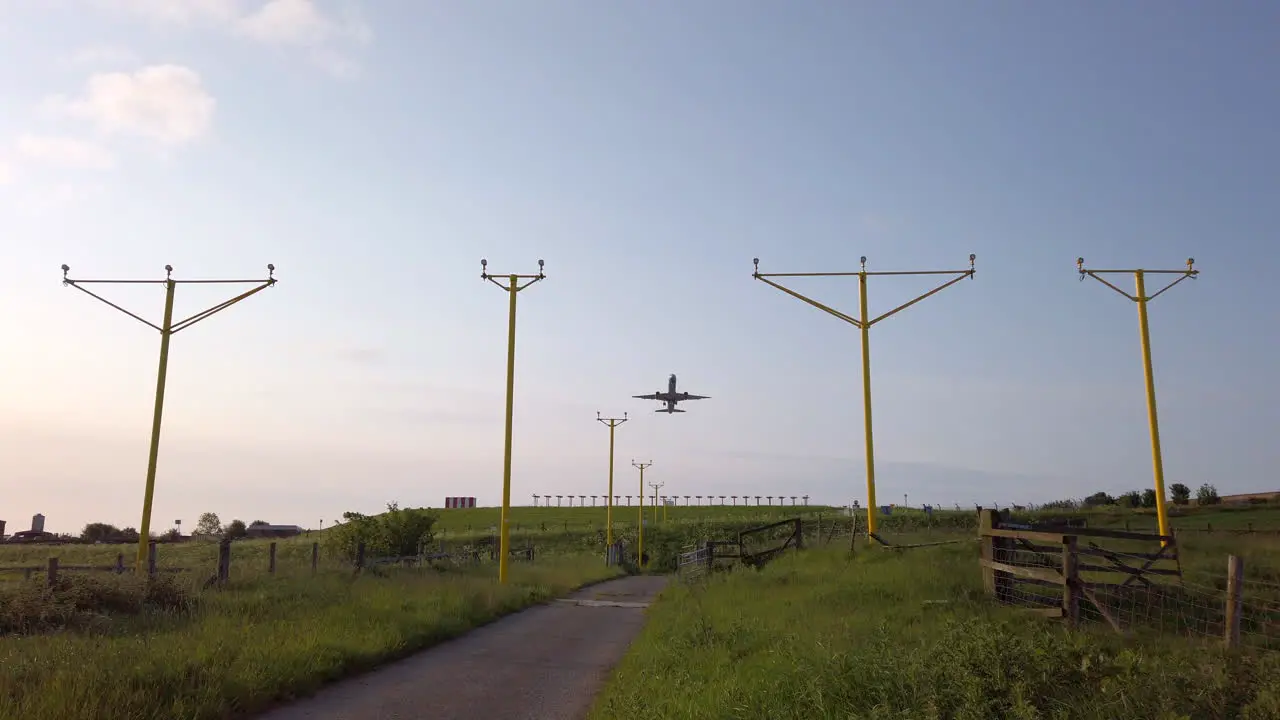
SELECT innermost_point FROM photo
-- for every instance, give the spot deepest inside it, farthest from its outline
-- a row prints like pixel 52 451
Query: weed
pixel 240 649
pixel 818 634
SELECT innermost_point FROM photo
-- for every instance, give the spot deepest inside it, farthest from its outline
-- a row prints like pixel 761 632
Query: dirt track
pixel 545 663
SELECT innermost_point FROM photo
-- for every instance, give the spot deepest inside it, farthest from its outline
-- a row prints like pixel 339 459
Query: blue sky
pixel 374 152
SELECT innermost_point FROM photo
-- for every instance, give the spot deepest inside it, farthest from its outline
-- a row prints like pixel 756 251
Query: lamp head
pixel 65 268
pixel 271 267
pixel 1080 263
pixel 168 268
pixel 540 264
pixel 1190 262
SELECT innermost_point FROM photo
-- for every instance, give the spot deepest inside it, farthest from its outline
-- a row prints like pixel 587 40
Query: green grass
pixel 558 519
pixel 238 650
pixel 822 634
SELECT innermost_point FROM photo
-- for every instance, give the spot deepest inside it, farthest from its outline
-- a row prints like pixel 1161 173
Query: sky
pixel 375 152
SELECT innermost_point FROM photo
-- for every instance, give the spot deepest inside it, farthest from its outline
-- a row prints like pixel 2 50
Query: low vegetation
pixel 823 634
pixel 105 646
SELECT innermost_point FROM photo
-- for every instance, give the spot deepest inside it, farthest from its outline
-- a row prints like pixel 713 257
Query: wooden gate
pixel 1052 571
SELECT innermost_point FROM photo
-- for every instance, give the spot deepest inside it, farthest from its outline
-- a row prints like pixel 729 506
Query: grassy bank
pixel 821 634
pixel 232 652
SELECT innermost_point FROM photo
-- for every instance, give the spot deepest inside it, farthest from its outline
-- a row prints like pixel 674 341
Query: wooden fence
pixel 222 569
pixel 749 540
pixel 1134 583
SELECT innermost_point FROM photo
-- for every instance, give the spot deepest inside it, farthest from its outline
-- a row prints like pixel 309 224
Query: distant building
pixel 32 536
pixel 272 531
pixel 37 523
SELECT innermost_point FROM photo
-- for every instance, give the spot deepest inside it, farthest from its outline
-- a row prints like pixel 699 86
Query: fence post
pixel 271 558
pixel 119 563
pixel 315 556
pixel 1070 581
pixel 1235 599
pixel 711 555
pixel 151 558
pixel 986 522
pixel 359 556
pixel 224 561
pixel 996 582
pixel 53 571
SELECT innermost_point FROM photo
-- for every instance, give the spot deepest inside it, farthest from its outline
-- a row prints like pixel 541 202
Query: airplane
pixel 671 397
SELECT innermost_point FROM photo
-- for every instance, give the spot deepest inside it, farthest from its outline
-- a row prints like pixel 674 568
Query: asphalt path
pixel 544 663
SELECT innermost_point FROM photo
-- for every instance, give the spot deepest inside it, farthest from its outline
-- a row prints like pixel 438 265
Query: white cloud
pixel 165 103
pixel 281 23
pixel 64 152
pixel 6 173
pixel 288 22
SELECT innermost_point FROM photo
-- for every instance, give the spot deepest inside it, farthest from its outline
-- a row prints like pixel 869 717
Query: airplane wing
pixel 647 397
pixel 687 396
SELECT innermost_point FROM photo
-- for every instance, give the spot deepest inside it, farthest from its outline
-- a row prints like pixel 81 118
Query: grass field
pixel 559 530
pixel 478 520
pixel 817 634
pixel 123 653
pixel 822 634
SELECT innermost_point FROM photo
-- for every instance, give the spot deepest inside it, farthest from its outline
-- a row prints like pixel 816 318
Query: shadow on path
pixel 544 663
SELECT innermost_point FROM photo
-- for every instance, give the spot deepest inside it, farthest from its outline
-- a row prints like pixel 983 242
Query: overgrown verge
pixel 821 634
pixel 256 643
pixel 85 602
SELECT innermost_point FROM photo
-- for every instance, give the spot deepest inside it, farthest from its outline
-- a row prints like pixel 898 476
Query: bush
pixel 395 533
pixel 1207 495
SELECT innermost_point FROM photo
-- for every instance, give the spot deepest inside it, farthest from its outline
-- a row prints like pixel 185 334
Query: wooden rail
pixel 1051 558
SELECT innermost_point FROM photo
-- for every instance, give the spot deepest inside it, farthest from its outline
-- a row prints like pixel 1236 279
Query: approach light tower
pixel 640 508
pixel 863 322
pixel 613 423
pixel 167 328
pixel 1141 298
pixel 513 286
pixel 656 487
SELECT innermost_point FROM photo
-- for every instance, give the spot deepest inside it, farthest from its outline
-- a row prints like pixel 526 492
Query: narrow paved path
pixel 544 663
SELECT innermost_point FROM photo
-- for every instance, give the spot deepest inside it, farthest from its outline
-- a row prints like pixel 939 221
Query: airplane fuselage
pixel 671 397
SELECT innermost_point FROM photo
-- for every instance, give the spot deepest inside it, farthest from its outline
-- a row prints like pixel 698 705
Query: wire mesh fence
pixel 1137 584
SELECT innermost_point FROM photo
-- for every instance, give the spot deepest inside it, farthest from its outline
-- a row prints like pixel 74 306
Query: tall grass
pixel 823 634
pixel 238 650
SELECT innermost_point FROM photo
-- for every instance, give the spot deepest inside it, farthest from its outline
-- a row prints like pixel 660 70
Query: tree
pixel 258 523
pixel 1131 499
pixel 1099 498
pixel 1149 498
pixel 208 524
pixel 397 532
pixel 99 532
pixel 235 530
pixel 1180 493
pixel 1207 495
pixel 129 535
